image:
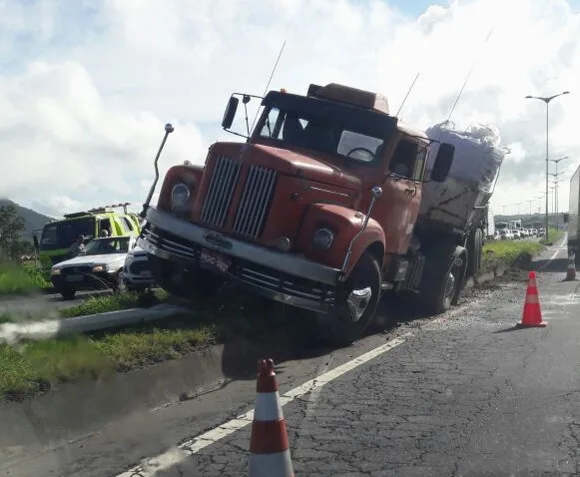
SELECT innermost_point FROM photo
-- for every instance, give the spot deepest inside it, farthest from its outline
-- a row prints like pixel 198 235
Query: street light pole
pixel 556 182
pixel 547 100
pixel 557 161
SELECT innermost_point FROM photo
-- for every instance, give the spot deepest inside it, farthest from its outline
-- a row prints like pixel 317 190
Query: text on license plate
pixel 215 260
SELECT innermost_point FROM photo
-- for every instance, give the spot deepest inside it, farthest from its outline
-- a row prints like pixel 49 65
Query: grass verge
pixel 101 304
pixel 21 279
pixel 554 236
pixel 509 253
pixel 106 303
pixel 36 367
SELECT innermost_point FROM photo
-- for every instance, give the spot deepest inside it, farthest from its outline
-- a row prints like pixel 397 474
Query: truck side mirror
pixel 443 162
pixel 566 217
pixel 230 112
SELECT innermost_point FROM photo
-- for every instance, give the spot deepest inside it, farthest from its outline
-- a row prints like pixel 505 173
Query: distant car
pixel 100 265
pixel 137 272
pixel 506 234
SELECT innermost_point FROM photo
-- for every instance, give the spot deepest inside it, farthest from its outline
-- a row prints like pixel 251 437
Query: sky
pixel 86 86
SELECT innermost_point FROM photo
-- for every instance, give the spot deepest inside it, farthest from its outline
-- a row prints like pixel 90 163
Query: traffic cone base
pixel 269 447
pixel 532 314
pixel 271 465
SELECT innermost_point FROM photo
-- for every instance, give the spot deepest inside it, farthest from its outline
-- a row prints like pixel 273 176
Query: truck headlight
pixel 179 195
pixel 99 268
pixel 55 271
pixel 323 239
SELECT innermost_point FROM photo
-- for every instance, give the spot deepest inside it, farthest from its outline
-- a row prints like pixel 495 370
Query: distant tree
pixel 11 228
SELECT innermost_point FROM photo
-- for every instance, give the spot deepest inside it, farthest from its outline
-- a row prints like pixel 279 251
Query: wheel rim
pixel 358 301
pixel 450 286
pixel 121 285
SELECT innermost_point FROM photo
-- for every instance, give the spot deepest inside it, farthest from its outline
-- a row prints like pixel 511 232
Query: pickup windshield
pixel 337 129
pixel 59 235
pixel 104 246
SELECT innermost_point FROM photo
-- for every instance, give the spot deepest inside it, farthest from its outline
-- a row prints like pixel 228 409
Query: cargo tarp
pixel 478 155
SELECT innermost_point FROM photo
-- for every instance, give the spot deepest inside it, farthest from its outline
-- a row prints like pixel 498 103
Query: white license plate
pixel 214 260
pixel 74 278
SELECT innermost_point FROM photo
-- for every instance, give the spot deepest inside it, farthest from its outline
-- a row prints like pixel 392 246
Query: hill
pixel 32 219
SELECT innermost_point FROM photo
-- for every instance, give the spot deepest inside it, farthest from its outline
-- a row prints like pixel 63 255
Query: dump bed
pixel 455 204
pixel 573 222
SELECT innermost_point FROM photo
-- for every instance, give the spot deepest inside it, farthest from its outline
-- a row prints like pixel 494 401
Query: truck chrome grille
pixel 221 190
pixel 255 201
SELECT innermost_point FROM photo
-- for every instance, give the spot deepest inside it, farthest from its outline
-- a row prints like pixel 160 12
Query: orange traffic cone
pixel 571 272
pixel 269 449
pixel 532 315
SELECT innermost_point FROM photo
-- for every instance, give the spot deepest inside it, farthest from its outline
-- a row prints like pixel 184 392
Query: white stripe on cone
pixel 271 465
pixel 268 407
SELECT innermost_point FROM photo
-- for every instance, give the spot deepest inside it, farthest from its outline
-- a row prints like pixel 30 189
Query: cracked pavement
pixel 466 394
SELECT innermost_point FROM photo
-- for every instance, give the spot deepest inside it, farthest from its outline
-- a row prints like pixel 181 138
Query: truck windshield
pixel 340 130
pixel 59 235
pixel 103 246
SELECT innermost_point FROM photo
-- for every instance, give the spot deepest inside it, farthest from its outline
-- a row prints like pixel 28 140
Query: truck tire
pixel 68 293
pixel 119 286
pixel 192 282
pixel 474 252
pixel 442 280
pixel 342 326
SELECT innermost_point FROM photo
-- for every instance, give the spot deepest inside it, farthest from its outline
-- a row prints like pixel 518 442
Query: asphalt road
pixel 463 394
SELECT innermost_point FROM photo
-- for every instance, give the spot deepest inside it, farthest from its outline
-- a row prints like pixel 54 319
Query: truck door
pixel 403 193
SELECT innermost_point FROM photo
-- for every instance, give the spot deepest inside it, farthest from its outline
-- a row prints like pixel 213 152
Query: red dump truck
pixel 322 208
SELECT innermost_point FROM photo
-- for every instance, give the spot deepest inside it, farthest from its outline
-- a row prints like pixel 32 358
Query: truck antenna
pixel 270 79
pixel 275 67
pixel 407 95
pixel 473 65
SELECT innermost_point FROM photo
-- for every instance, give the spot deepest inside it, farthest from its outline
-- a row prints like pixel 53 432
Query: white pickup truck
pixel 100 265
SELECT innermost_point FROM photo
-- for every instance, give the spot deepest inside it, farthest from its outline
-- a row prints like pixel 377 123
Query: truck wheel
pixel 356 305
pixel 119 286
pixel 474 252
pixel 68 293
pixel 442 281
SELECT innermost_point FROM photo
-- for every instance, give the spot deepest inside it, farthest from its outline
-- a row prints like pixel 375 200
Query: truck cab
pixel 316 209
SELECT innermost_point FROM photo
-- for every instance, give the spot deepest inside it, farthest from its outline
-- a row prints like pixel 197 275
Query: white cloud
pixel 81 116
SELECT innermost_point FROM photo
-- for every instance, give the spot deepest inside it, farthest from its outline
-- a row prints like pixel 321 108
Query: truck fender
pixel 345 223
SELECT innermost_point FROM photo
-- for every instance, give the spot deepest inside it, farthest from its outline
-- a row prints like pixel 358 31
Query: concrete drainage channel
pixel 142 389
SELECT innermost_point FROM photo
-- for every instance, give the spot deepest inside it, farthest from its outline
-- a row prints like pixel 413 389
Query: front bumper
pixel 80 279
pixel 280 276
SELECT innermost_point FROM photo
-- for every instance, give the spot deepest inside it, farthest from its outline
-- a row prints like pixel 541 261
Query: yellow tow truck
pixel 59 235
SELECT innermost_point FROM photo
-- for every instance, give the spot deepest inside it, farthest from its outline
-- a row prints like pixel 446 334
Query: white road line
pixel 149 467
pixel 550 260
pixel 559 248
